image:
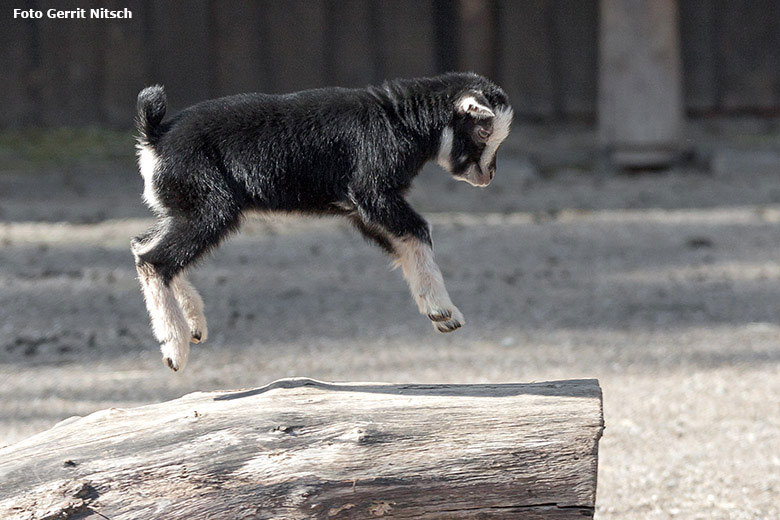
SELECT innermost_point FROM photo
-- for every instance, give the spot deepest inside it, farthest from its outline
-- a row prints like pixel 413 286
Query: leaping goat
pixel 351 152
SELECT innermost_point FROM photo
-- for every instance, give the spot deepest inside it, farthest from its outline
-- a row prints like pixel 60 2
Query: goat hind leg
pixel 168 322
pixel 160 256
pixel 192 305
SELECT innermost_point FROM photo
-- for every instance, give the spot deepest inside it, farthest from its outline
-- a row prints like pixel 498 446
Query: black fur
pixel 151 108
pixel 342 151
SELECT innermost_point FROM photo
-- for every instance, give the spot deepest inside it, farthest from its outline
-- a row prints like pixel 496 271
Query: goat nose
pixel 492 171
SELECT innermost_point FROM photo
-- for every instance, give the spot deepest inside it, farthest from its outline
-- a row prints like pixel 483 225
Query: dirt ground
pixel 665 286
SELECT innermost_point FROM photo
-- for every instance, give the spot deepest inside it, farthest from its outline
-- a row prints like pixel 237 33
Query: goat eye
pixel 483 134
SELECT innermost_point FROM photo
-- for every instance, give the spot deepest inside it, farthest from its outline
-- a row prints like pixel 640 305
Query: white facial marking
pixel 147 164
pixel 501 124
pixel 443 158
pixel 469 105
pixel 474 177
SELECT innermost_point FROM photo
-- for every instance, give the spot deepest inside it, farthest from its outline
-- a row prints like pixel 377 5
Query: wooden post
pixel 300 448
pixel 640 87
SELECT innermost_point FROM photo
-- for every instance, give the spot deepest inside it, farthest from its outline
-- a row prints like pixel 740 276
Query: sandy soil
pixel 664 286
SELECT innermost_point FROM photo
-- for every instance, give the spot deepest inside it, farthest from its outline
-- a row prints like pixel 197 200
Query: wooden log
pixel 640 84
pixel 300 448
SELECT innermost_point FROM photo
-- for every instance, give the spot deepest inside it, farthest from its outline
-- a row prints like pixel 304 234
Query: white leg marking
pixel 427 284
pixel 192 305
pixel 168 322
pixel 147 164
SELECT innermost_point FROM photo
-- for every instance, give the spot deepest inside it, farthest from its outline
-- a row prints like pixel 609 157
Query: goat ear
pixel 475 105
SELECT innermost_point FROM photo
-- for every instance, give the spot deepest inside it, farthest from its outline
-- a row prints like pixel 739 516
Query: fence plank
pixel 181 50
pixel 294 43
pixel 477 40
pixel 239 63
pixel 698 52
pixel 71 72
pixel 408 43
pixel 19 55
pixel 446 31
pixel 125 67
pixel 526 69
pixel 350 55
pixel 576 63
pixel 749 46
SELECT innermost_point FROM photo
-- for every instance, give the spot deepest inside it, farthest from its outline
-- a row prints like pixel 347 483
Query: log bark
pixel 300 448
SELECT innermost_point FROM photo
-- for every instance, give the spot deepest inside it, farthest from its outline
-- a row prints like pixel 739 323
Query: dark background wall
pixel 543 52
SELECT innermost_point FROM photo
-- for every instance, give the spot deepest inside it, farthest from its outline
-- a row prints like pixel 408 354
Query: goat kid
pixel 350 152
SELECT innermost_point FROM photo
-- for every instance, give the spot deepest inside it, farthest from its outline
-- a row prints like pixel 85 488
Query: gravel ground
pixel 664 286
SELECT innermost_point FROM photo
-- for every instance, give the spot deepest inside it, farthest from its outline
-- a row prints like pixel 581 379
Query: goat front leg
pixel 427 284
pixel 410 237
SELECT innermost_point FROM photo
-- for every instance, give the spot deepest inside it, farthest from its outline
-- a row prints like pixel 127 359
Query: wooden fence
pixel 544 53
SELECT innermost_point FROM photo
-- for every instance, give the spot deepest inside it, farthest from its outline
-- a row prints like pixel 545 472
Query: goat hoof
pixel 440 315
pixel 175 354
pixel 198 331
pixel 455 322
pixel 169 362
pixel 447 326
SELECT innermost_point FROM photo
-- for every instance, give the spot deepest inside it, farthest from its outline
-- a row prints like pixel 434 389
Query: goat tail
pixel 151 110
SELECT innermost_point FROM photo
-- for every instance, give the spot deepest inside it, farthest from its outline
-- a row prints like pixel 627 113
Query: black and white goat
pixel 351 152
